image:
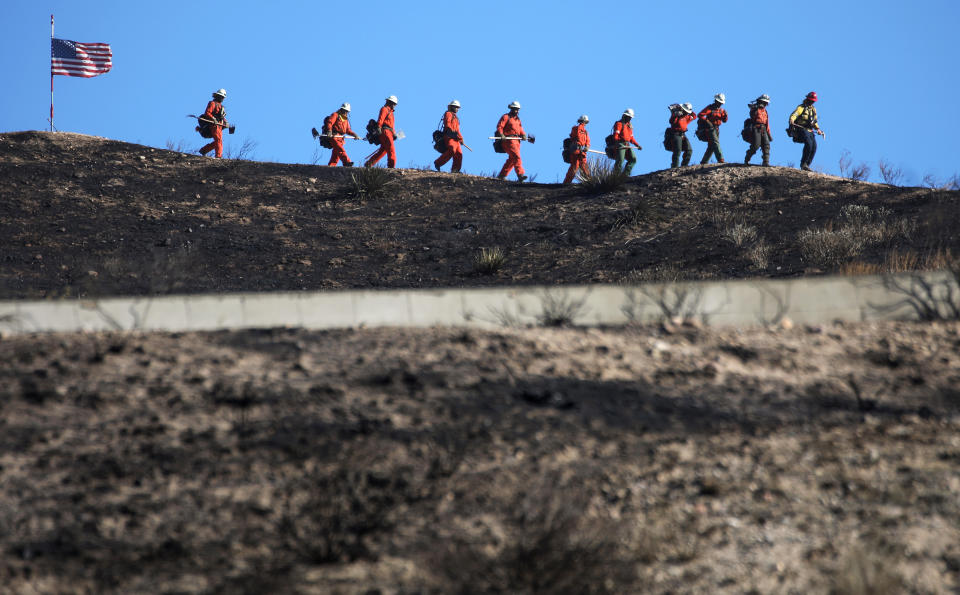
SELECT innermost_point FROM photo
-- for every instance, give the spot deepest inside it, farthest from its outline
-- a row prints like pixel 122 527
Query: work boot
pixel 521 177
pixel 721 161
pixel 766 163
pixel 203 152
pixel 746 160
pixel 348 163
pixel 805 167
pixel 435 166
pixel 454 171
pixel 501 177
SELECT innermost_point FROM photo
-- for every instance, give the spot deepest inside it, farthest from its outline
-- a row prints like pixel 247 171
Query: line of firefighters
pixel 804 128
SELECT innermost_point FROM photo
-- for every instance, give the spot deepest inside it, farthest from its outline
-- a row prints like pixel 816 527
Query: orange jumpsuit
pixel 214 112
pixel 511 126
pixel 578 159
pixel 339 127
pixel 387 147
pixel 451 129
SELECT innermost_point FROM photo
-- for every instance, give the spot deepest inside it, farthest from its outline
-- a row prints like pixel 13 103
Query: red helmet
pixel 812 95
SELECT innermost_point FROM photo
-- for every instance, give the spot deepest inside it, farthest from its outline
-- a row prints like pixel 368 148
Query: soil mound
pixel 87 216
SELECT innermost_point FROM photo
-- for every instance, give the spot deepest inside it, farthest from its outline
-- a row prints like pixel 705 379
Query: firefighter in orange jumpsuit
pixel 623 138
pixel 387 132
pixel 216 114
pixel 759 131
pixel 509 125
pixel 711 117
pixel 339 128
pixel 452 138
pixel 680 118
pixel 580 139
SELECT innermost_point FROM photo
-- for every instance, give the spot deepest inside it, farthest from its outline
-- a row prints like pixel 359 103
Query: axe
pixel 530 138
pixel 318 135
pixel 230 127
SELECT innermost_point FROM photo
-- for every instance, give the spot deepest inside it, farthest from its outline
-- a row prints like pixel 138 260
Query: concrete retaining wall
pixel 754 302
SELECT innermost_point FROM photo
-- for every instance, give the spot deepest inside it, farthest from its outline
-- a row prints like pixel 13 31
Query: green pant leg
pixel 625 154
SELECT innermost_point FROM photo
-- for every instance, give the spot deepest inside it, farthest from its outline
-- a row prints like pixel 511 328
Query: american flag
pixel 72 58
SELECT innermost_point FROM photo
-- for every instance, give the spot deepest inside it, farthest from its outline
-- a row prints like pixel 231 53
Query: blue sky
pixel 885 72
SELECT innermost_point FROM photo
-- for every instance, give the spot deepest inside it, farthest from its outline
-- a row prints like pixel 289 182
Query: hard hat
pixel 221 93
pixel 454 103
pixel 812 95
pixel 763 98
pixel 393 99
pixel 628 112
pixel 720 98
pixel 514 105
pixel 687 107
pixel 345 107
pixel 583 119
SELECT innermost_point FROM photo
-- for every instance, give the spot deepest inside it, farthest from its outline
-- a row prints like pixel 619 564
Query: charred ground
pixel 87 216
pixel 661 459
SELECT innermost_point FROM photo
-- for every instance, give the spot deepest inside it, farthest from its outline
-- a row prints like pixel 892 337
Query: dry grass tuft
pixel 739 234
pixel 489 260
pixel 602 177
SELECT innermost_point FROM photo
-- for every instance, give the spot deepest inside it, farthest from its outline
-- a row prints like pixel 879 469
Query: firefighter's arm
pixel 501 124
pixel 795 114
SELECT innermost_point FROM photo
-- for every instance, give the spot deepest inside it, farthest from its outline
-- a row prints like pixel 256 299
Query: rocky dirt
pixel 642 459
pixel 85 216
pixel 662 459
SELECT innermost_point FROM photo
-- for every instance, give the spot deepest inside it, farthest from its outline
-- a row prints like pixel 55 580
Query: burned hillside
pixel 86 216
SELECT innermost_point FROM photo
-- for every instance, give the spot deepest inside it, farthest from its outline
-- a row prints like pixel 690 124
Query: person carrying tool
pixel 759 124
pixel 804 129
pixel 580 141
pixel 387 135
pixel 623 137
pixel 680 118
pixel 510 126
pixel 452 138
pixel 215 116
pixel 710 118
pixel 339 128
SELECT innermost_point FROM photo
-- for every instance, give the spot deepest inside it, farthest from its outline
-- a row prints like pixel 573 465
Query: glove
pixel 525 136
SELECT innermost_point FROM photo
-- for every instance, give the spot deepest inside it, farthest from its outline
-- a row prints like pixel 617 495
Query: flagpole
pixel 51 74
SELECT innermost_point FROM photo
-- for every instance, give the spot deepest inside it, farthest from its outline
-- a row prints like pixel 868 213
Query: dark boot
pixel 348 163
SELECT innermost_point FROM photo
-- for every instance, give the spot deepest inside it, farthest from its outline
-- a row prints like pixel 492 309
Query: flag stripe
pixel 71 58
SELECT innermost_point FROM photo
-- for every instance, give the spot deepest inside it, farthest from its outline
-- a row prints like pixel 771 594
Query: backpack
pixel 668 139
pixel 747 133
pixel 498 145
pixel 204 128
pixel 702 133
pixel 438 137
pixel 372 137
pixel 568 148
pixel 325 141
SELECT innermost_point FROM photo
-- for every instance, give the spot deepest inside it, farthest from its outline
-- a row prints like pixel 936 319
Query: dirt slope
pixel 82 215
pixel 449 461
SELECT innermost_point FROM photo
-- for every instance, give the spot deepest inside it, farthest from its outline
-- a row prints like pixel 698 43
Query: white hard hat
pixel 393 99
pixel 221 93
pixel 628 112
pixel 454 103
pixel 687 107
pixel 584 118
pixel 345 107
pixel 764 98
pixel 514 105
pixel 720 98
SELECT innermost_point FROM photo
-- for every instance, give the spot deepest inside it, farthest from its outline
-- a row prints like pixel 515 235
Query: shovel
pixel 230 127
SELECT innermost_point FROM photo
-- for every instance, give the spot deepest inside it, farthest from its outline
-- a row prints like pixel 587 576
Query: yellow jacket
pixel 808 119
